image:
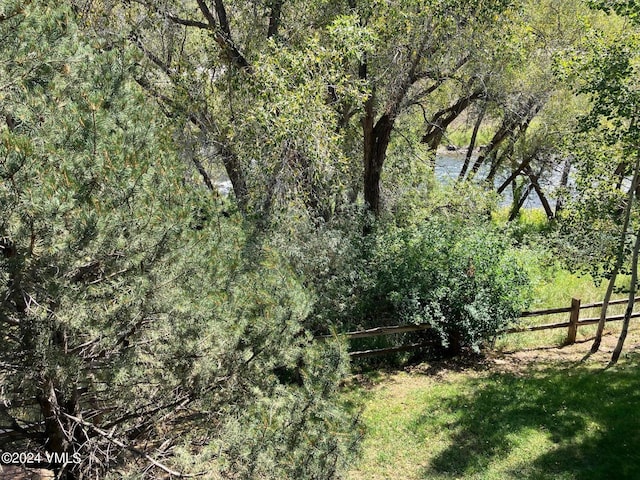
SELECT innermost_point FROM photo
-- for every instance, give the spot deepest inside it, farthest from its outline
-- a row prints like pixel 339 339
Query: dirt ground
pixel 517 360
pixel 576 353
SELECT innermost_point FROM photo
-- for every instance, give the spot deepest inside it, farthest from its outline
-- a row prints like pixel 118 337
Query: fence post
pixel 573 321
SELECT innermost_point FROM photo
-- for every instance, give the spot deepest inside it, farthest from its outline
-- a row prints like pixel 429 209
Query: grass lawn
pixel 531 410
pixel 536 414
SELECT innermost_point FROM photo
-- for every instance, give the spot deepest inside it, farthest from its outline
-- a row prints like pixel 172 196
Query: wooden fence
pixel 571 325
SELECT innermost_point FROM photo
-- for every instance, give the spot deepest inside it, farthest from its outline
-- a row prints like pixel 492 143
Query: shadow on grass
pixel 589 420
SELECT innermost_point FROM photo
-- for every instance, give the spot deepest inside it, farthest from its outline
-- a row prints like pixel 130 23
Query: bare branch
pixel 187 22
pixel 10 321
pixel 181 401
pixel 109 436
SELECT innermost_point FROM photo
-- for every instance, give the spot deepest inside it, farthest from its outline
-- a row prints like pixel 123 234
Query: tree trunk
pixel 237 178
pixel 517 204
pixel 619 172
pixel 376 141
pixel 498 161
pixel 472 143
pixel 56 436
pixel 230 161
pixel 525 163
pixel 61 437
pixel 632 295
pixel 495 142
pixel 376 135
pixel 536 185
pixel 564 180
pixel 619 257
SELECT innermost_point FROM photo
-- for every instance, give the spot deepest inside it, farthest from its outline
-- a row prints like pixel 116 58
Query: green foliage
pixel 461 136
pixel 459 279
pixel 137 316
pixel 627 8
pixel 449 267
pixel 604 147
pixel 138 307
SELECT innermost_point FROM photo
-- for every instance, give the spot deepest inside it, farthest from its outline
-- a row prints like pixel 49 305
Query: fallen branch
pixel 115 441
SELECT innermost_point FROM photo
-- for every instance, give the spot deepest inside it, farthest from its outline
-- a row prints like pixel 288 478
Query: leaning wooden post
pixel 573 321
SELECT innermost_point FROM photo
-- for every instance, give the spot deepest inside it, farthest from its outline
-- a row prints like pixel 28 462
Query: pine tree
pixel 141 332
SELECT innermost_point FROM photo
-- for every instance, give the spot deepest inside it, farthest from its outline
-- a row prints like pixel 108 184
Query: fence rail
pixel 572 327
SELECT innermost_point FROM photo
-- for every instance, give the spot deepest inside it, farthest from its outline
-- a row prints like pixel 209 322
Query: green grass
pixel 554 286
pixel 529 220
pixel 551 422
pixel 541 421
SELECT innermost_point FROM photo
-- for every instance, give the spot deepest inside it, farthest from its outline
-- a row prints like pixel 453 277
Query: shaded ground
pixel 570 354
pixel 534 414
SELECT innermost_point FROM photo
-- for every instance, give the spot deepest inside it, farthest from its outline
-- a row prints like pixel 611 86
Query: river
pixel 448 166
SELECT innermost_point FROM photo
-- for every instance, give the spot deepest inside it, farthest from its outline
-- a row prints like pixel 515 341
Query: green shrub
pixel 462 279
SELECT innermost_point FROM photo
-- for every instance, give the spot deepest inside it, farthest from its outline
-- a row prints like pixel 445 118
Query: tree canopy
pixel 152 324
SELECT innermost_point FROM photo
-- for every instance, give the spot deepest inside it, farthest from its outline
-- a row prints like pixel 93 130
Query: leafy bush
pixel 462 280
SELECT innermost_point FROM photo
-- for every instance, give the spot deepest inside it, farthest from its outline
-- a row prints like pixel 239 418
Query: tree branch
pixel 443 118
pixel 222 34
pixel 188 22
pixel 274 17
pixel 183 400
pixel 222 17
pixel 109 436
pixel 213 25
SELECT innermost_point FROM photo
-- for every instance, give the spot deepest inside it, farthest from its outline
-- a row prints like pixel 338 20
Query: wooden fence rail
pixel 572 327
